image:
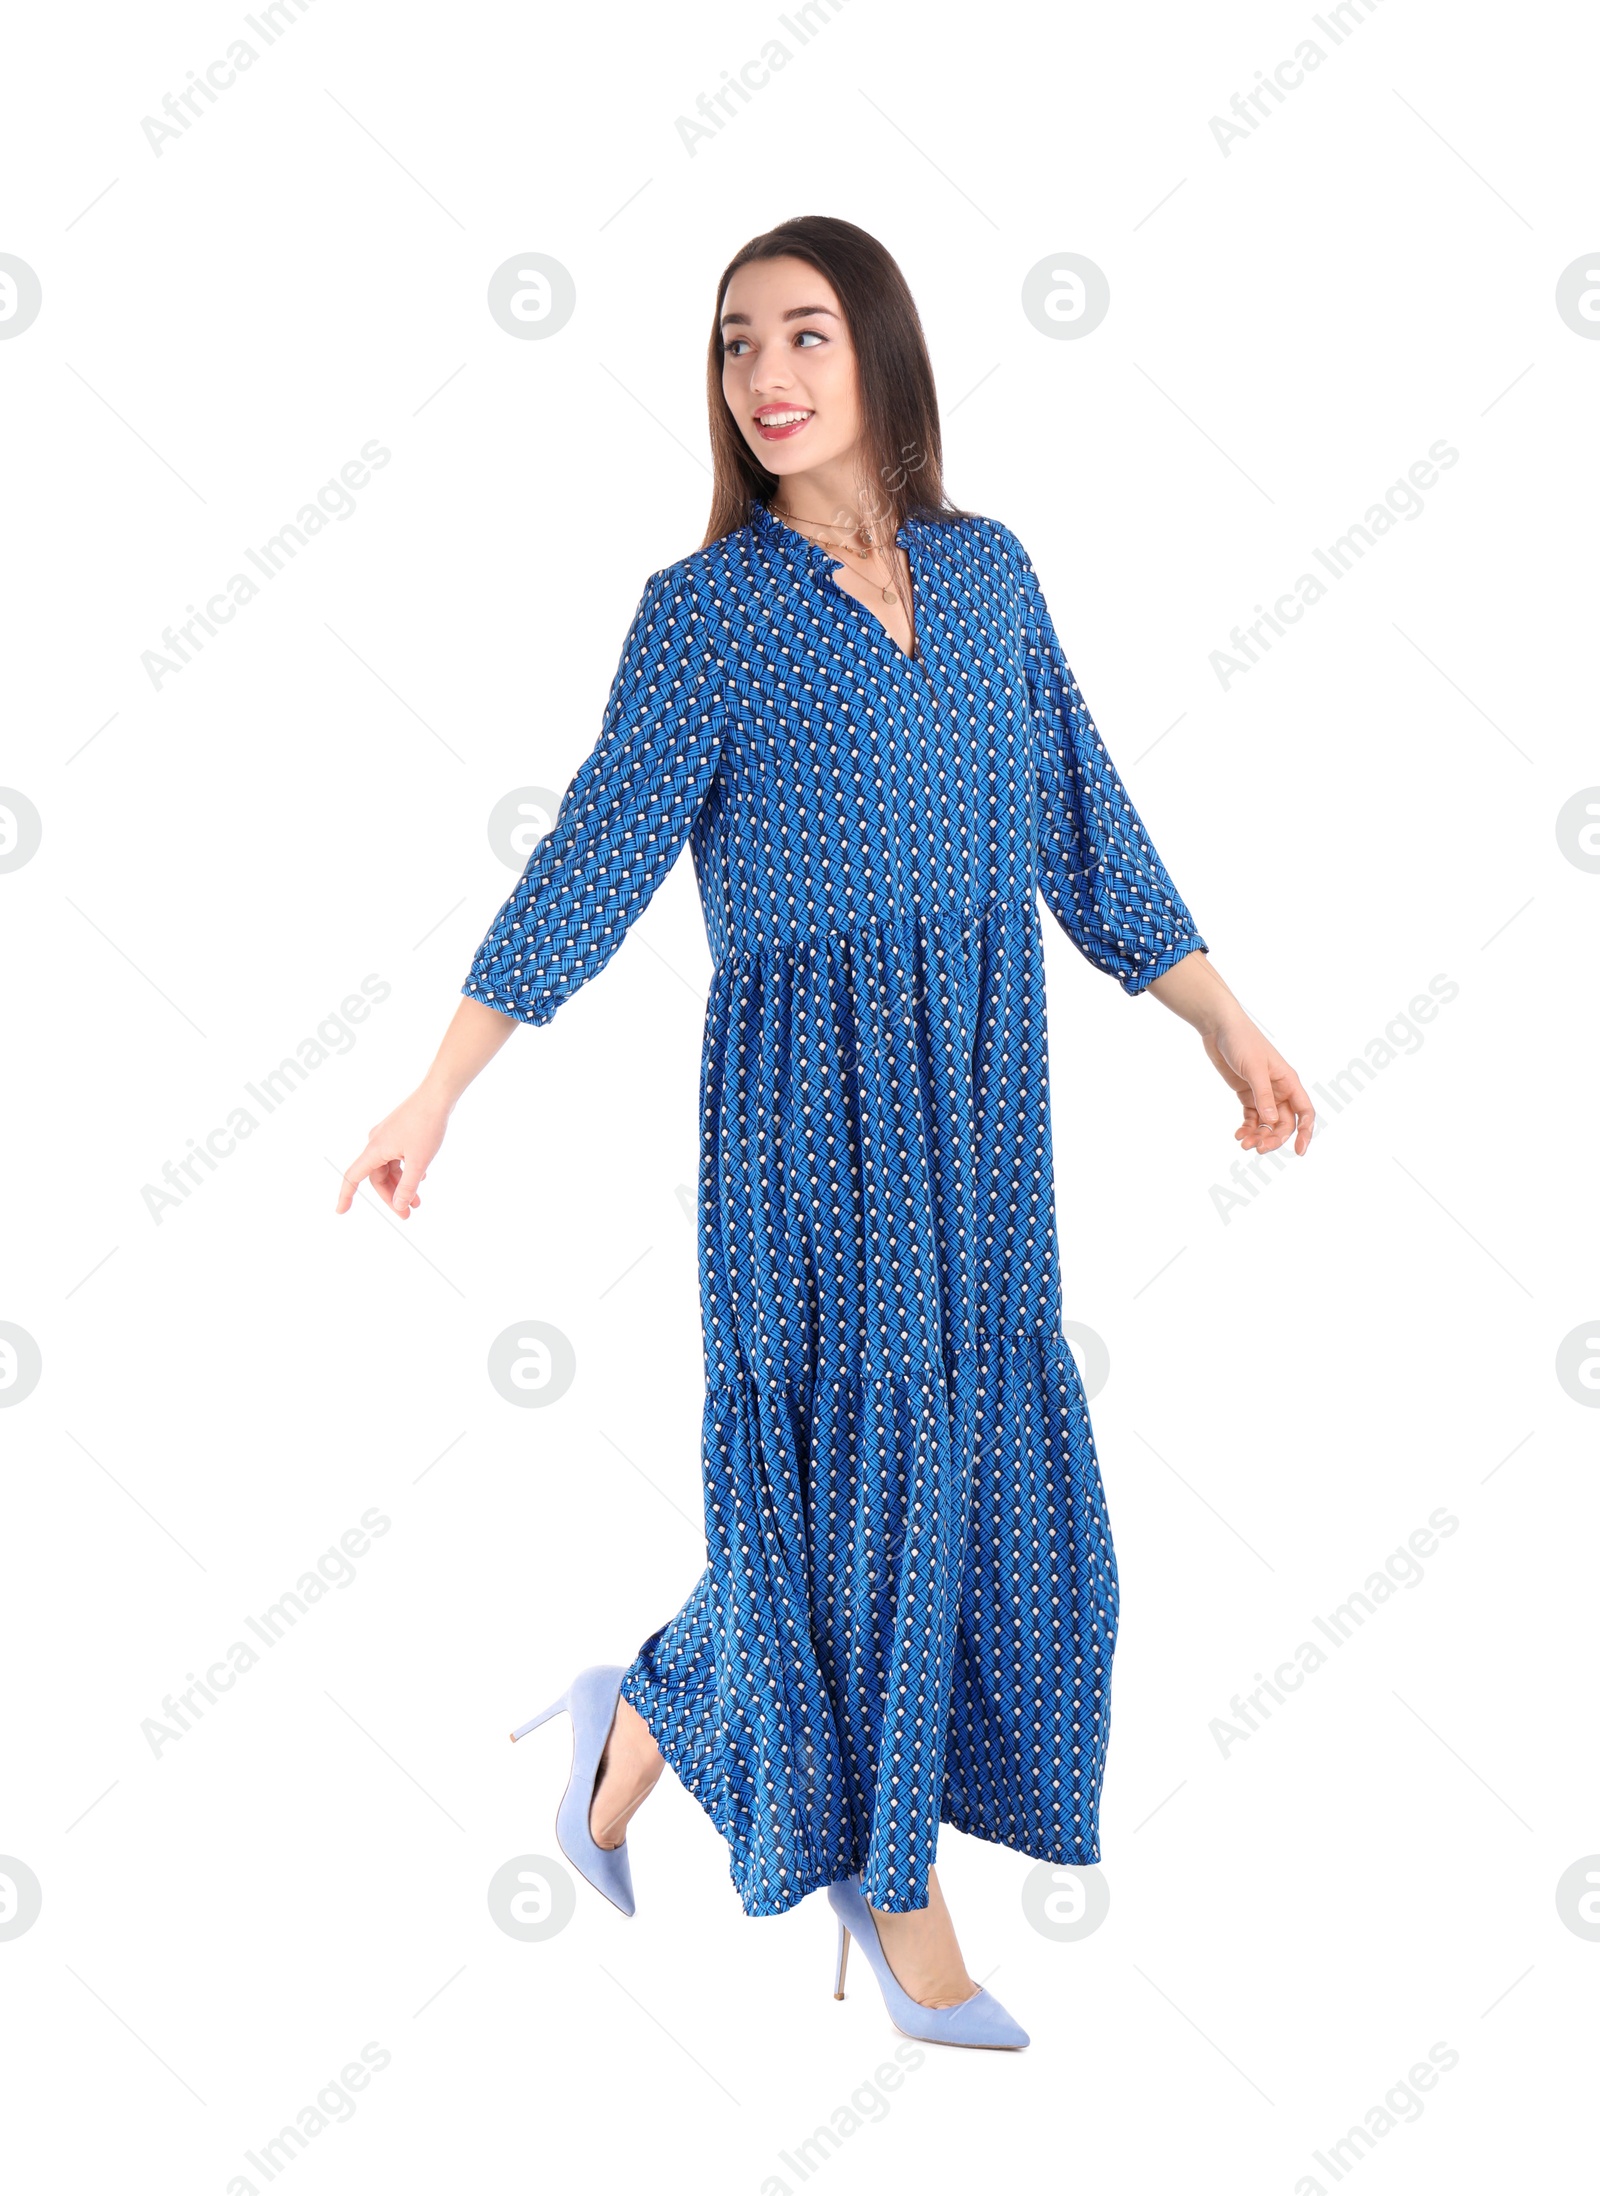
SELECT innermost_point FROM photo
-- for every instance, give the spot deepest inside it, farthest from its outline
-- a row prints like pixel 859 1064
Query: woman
pixel 852 704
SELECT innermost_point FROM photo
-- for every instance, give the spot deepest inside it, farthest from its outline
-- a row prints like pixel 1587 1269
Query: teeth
pixel 780 419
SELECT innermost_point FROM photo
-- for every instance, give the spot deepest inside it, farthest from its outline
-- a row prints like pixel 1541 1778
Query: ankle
pixel 923 1953
pixel 621 1786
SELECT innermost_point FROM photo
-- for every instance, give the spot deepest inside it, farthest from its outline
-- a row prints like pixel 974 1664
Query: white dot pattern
pixel 910 1601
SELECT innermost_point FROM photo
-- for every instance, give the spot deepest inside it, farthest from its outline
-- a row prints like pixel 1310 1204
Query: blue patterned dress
pixel 910 1599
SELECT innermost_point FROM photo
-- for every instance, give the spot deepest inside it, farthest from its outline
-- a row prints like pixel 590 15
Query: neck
pixel 828 497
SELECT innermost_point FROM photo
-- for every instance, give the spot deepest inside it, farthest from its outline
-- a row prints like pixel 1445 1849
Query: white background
pixel 1292 1391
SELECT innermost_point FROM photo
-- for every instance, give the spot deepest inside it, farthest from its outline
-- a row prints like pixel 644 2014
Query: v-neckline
pixel 914 656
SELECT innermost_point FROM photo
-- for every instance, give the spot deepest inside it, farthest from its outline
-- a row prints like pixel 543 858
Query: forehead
pixel 776 290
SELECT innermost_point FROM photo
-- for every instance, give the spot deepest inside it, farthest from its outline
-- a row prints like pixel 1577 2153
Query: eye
pixel 735 346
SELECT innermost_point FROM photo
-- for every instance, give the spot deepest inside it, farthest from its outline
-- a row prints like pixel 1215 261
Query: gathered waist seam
pixel 962 922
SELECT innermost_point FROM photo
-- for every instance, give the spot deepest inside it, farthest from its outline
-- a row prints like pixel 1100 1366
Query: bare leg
pixel 923 1952
pixel 629 1768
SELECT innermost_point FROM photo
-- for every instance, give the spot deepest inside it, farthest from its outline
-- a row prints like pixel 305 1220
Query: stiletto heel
pixel 980 2020
pixel 591 1701
pixel 543 1716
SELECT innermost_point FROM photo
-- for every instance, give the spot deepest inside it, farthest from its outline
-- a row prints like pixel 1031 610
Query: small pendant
pixel 889 595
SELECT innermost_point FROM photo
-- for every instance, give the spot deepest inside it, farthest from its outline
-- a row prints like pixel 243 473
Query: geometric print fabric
pixel 909 1605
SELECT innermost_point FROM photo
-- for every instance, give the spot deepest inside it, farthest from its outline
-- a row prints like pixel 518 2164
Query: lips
pixel 787 420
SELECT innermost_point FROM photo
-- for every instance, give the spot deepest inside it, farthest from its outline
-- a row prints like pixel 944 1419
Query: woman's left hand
pixel 1276 1106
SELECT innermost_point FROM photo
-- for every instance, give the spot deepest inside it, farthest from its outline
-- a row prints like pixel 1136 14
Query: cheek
pixel 837 376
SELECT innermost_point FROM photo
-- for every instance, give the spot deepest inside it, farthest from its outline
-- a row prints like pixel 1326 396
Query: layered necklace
pixel 858 537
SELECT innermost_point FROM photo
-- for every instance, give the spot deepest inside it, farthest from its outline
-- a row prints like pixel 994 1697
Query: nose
pixel 768 379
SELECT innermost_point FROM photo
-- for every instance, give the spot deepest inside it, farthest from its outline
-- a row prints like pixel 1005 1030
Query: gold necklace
pixel 890 593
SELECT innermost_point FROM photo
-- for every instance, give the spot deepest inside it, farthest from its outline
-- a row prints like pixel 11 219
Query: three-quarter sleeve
pixel 623 819
pixel 1101 876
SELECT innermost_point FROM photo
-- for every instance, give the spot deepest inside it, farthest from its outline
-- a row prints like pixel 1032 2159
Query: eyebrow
pixel 796 312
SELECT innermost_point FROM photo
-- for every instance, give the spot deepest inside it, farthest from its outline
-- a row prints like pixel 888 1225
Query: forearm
pixel 1195 991
pixel 475 1035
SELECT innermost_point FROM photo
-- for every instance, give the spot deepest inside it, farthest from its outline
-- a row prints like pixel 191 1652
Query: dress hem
pixel 1084 1853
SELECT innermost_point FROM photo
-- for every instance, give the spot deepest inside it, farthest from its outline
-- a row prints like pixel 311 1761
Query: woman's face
pixel 789 370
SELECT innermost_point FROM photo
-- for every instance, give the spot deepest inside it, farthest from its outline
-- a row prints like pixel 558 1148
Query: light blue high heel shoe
pixel 979 2020
pixel 591 1701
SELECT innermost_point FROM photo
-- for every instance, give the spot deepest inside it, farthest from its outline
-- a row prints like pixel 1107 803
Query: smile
pixel 778 424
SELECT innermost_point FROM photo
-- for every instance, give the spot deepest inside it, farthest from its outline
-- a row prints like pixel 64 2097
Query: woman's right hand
pixel 399 1152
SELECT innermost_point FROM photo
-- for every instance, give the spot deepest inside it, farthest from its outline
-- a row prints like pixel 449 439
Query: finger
pixel 1252 1132
pixel 1292 1105
pixel 405 1195
pixel 1258 1136
pixel 376 1165
pixel 355 1174
pixel 1295 1110
pixel 1305 1114
pixel 1259 1072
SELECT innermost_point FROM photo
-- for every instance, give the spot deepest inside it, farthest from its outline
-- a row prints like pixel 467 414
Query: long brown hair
pixel 901 455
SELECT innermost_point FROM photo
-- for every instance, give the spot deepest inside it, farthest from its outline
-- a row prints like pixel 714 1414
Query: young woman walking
pixel 851 703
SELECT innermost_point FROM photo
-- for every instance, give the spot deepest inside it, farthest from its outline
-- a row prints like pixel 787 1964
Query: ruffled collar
pixel 800 549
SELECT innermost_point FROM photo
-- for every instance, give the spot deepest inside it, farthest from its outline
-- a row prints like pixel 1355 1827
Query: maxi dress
pixel 910 1599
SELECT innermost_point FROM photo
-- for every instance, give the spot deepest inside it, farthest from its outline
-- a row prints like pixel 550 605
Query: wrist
pixel 1194 991
pixel 1214 1004
pixel 438 1091
pixel 1216 1011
